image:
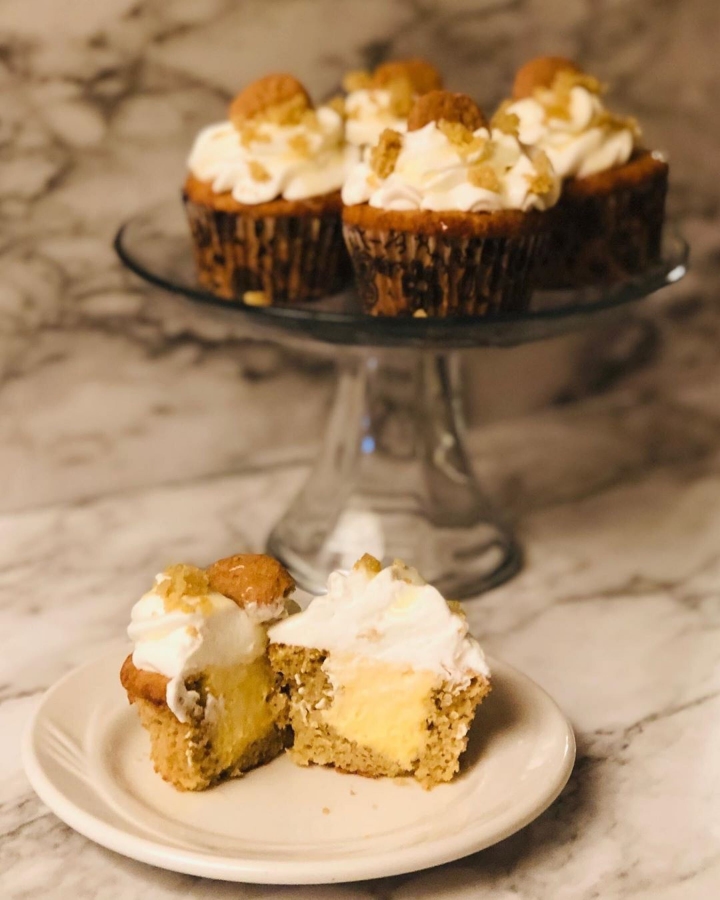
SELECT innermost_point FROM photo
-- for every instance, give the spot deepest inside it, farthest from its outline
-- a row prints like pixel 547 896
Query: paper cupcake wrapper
pixel 289 258
pixel 402 273
pixel 605 238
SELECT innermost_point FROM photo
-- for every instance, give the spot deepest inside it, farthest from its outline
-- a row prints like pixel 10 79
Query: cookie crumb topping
pixel 605 119
pixel 484 176
pixel 251 134
pixel 543 181
pixel 337 103
pixel 181 583
pixel 290 112
pixel 384 156
pixel 464 141
pixel 538 73
pixel 457 608
pixel 566 79
pixel 437 105
pixel 557 105
pixel 422 75
pixel 300 144
pixel 257 170
pixel 369 563
pixel 276 98
pixel 505 121
pixel 455 132
pixel 357 80
pixel 401 97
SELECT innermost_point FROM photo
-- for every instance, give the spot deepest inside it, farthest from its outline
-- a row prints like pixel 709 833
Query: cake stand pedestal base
pixel 392 478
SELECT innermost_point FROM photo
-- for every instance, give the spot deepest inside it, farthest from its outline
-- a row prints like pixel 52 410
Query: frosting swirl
pixel 369 112
pixel 391 616
pixel 265 160
pixel 575 129
pixel 444 166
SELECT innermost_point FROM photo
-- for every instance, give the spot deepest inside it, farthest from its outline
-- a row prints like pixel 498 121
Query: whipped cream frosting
pixel 271 160
pixel 180 640
pixel 585 142
pixel 434 173
pixel 392 617
pixel 369 113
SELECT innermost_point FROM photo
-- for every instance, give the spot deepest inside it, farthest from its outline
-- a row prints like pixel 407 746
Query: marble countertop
pixel 612 476
pixel 616 614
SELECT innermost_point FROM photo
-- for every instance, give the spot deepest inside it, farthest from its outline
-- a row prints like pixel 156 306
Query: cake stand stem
pixel 392 478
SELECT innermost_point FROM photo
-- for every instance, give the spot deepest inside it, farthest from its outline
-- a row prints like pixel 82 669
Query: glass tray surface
pixel 156 245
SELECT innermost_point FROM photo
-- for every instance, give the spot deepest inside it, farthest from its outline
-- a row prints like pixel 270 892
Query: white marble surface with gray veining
pixel 134 432
pixel 616 615
pixel 99 103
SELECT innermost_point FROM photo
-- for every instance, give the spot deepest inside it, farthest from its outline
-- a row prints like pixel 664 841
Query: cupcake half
pixel 611 210
pixel 263 196
pixel 449 218
pixel 383 98
pixel 381 675
pixel 199 675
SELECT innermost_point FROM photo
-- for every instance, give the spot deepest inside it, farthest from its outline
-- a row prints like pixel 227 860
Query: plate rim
pixel 437 852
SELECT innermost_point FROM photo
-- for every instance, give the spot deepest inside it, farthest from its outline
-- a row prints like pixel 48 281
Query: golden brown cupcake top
pixel 279 98
pixel 141 684
pixel 422 75
pixel 251 578
pixel 540 73
pixel 438 106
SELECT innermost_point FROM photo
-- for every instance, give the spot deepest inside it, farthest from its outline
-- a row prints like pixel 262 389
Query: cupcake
pixel 263 196
pixel 449 218
pixel 610 214
pixel 383 98
pixel 199 676
pixel 382 676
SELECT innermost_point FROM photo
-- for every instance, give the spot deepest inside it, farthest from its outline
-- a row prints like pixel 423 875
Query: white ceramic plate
pixel 87 757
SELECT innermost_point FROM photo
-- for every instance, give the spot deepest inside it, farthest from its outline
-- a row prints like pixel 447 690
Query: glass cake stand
pixel 392 476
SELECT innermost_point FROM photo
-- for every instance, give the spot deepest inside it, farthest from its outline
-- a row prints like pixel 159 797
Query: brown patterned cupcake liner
pixel 603 237
pixel 289 258
pixel 403 273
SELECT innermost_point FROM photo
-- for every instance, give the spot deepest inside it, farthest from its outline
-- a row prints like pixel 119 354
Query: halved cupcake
pixel 263 196
pixel 199 675
pixel 611 210
pixel 382 676
pixel 448 218
pixel 383 98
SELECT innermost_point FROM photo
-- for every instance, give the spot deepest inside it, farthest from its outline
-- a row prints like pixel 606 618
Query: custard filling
pixel 380 706
pixel 238 706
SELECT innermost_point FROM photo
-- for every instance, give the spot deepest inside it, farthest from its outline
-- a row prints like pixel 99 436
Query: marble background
pixel 133 432
pixel 100 102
